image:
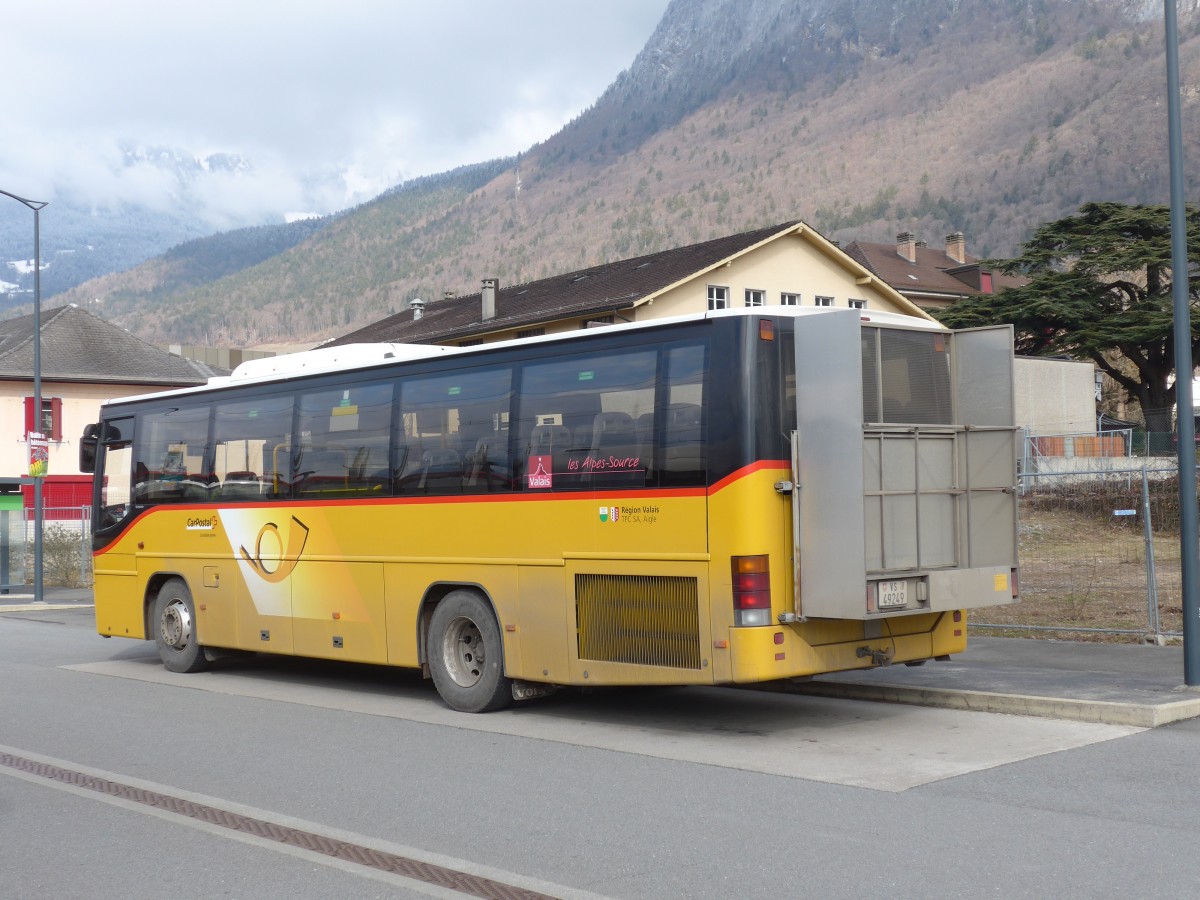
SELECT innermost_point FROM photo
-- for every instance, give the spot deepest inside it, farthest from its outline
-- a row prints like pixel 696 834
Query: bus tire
pixel 175 628
pixel 466 654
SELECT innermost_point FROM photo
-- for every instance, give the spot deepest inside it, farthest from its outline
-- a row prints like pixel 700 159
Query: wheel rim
pixel 463 652
pixel 175 626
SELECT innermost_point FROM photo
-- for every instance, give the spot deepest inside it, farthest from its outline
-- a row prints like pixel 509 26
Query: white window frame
pixel 786 298
pixel 756 297
pixel 822 301
pixel 718 296
pixel 857 304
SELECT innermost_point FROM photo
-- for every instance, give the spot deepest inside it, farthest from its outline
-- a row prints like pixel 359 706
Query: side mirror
pixel 87 449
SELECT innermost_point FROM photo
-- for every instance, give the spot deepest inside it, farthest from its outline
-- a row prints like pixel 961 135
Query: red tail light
pixel 751 590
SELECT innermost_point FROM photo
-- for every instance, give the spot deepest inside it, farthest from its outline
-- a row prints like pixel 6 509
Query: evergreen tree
pixel 1099 288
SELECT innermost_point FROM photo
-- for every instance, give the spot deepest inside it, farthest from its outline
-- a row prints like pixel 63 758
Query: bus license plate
pixel 891 594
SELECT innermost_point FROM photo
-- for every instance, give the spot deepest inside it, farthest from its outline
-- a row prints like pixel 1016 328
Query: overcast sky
pixel 380 90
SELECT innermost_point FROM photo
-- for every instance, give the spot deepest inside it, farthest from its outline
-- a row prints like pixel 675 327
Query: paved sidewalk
pixel 1116 684
pixel 21 599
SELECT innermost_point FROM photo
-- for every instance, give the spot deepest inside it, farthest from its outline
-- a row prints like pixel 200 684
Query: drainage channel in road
pixel 396 864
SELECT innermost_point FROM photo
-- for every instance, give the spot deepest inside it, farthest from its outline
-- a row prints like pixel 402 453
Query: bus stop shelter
pixel 12 533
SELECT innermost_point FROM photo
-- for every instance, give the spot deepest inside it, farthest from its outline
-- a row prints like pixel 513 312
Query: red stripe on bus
pixel 628 494
pixel 763 465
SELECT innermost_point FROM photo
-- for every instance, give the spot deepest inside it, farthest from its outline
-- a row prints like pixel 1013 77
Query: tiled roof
pixel 79 346
pixel 933 273
pixel 595 291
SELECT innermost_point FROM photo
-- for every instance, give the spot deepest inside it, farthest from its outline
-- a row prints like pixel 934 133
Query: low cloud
pixel 327 105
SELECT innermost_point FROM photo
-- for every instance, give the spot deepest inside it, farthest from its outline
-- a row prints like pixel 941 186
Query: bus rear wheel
pixel 175 628
pixel 466 655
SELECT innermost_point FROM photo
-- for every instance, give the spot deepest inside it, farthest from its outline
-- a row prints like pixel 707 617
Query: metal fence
pixel 1118 448
pixel 1099 553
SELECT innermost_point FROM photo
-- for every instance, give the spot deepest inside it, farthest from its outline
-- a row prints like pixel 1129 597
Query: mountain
pixel 862 118
pixel 119 222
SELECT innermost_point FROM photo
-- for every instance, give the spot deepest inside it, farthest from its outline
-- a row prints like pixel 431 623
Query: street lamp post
pixel 36 206
pixel 1189 515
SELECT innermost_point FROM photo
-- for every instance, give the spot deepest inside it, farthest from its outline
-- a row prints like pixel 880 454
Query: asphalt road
pixel 277 778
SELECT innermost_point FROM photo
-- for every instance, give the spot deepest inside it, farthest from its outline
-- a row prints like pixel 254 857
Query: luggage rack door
pixel 924 509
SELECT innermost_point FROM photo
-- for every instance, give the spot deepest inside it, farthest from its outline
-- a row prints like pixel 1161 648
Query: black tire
pixel 466 654
pixel 174 625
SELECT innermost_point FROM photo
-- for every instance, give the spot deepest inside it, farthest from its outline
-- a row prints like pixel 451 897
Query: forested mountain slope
pixel 863 119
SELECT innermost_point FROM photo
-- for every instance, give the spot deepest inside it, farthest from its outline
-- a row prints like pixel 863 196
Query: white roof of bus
pixel 356 356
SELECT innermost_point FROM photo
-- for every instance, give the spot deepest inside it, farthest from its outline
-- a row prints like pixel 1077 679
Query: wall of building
pixel 790 264
pixel 1055 396
pixel 80 407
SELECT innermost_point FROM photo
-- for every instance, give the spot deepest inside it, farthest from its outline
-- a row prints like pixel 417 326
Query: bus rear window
pixel 906 377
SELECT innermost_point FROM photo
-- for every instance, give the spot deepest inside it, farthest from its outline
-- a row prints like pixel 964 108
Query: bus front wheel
pixel 466 656
pixel 175 628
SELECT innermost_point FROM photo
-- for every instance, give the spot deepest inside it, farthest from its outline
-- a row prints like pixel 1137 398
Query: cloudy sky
pixel 376 90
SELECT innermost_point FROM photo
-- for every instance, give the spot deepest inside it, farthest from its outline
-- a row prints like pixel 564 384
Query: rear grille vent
pixel 648 620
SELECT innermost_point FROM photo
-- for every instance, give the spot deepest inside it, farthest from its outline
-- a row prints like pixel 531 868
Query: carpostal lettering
pixel 207 524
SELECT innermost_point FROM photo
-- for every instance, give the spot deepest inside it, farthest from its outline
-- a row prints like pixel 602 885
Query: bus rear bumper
pixel 768 654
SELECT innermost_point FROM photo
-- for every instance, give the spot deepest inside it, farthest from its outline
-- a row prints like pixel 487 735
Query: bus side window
pixel 170 456
pixel 452 433
pixel 253 448
pixel 682 459
pixel 343 447
pixel 116 464
pixel 578 417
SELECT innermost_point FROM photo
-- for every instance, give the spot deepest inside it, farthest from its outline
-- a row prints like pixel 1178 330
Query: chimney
pixel 906 246
pixel 956 247
pixel 418 307
pixel 488 294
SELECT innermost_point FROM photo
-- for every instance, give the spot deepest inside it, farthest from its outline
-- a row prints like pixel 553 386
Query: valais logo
pixel 610 513
pixel 539 473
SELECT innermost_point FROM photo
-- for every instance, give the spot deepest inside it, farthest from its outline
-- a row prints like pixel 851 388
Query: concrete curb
pixel 1141 715
pixel 37 607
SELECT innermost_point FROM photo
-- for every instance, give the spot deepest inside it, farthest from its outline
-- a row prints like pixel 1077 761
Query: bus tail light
pixel 751 590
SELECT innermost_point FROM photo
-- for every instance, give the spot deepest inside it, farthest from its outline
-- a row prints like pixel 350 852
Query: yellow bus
pixel 736 497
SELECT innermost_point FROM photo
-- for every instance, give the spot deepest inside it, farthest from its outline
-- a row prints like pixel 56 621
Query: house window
pixel 50 423
pixel 786 299
pixel 755 298
pixel 531 332
pixel 598 321
pixel 823 301
pixel 718 297
pixel 471 342
pixel 857 304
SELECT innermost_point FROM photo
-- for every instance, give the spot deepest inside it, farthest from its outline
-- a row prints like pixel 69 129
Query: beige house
pixel 85 361
pixel 789 264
